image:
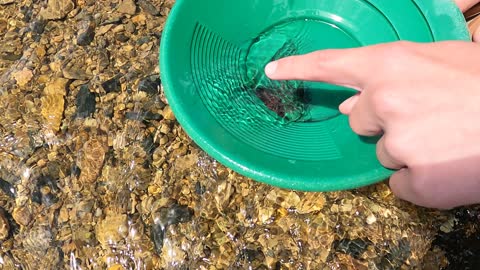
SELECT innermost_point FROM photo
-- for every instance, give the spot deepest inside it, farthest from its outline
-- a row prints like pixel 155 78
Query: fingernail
pixel 271 68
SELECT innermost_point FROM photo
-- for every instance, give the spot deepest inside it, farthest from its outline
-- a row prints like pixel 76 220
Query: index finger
pixel 346 67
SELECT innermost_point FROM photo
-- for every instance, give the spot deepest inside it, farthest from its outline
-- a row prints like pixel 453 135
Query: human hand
pixel 474 25
pixel 464 5
pixel 424 99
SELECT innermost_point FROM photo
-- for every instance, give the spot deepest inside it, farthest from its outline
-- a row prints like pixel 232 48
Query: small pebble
pixel 148 7
pixel 122 37
pixel 168 113
pixel 127 7
pixel 147 116
pixel 85 102
pixel 3 26
pixel 4 225
pixel 7 188
pixel 150 84
pixel 86 32
pixel 57 9
pixel 371 219
pixel 173 215
pixel 38 26
pixel 164 129
pixel 112 85
pixel 23 77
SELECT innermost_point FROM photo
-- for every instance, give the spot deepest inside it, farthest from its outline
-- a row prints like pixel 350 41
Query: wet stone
pixel 23 77
pixel 149 145
pixel 150 84
pixel 38 239
pixel 122 37
pixel 112 20
pixel 146 116
pixel 7 188
pixel 148 7
pixel 3 26
pixel 173 215
pixel 74 73
pixel 130 28
pixel 86 32
pixel 157 35
pixel 143 40
pixel 250 255
pixel 57 9
pixel 168 216
pixel 463 247
pixel 38 26
pixel 27 11
pixel 75 171
pixel 44 192
pixel 354 247
pixel 14 227
pixel 168 113
pixel 200 189
pixel 10 56
pixel 397 255
pixel 85 102
pixel 4 225
pixel 6 2
pixel 127 7
pixel 157 233
pixel 112 85
pixel 22 215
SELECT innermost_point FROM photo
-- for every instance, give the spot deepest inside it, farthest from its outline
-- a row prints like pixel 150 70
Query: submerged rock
pixel 85 102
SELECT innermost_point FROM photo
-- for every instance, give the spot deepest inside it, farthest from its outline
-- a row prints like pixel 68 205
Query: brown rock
pixel 56 87
pixel 127 7
pixel 22 215
pixel 57 9
pixel 4 226
pixel 148 7
pixel 23 76
pixel 74 72
pixel 168 114
pixel 3 26
pixel 5 2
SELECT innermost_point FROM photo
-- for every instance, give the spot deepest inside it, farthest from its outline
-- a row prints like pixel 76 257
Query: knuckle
pixel 384 102
pixel 395 148
pixel 388 103
pixel 355 124
pixel 419 186
pixel 383 162
pixel 394 56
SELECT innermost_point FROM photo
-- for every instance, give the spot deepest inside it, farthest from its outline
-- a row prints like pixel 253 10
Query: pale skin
pixel 424 99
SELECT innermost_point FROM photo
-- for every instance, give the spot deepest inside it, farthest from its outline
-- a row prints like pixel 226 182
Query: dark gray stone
pixel 85 102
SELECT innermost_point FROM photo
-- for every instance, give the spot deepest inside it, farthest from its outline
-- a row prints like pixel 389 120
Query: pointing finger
pixel 346 67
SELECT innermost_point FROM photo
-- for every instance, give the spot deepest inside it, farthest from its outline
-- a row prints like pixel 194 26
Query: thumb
pixel 474 27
